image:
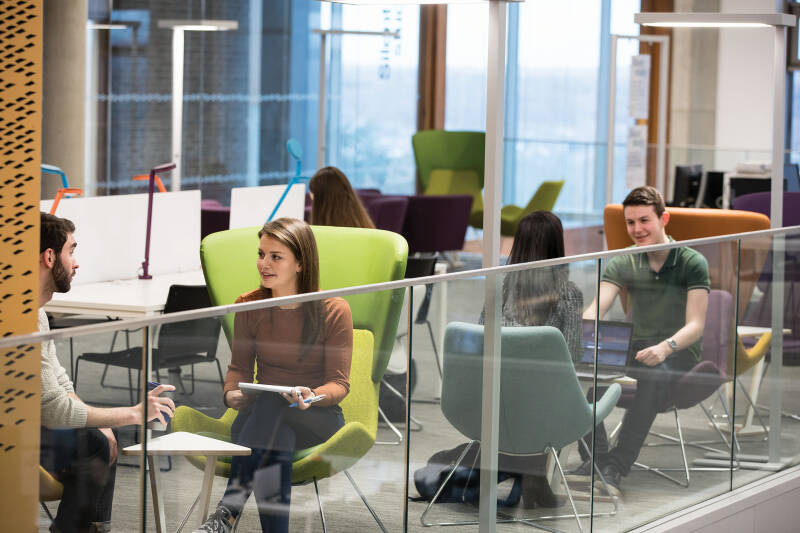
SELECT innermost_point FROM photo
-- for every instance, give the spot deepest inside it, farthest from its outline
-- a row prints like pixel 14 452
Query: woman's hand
pixel 237 399
pixel 299 394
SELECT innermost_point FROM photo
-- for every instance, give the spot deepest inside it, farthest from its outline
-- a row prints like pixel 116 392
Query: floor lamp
pixel 323 46
pixel 178 28
pixel 778 22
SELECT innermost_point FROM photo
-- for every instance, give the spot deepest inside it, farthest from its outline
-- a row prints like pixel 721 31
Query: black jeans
pixel 78 458
pixel 652 392
pixel 273 431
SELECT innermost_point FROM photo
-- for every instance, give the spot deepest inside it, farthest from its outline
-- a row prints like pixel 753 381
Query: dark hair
pixel 297 236
pixel 534 293
pixel 54 232
pixel 335 202
pixel 646 195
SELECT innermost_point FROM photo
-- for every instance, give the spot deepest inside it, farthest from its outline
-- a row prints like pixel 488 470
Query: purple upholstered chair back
pixel 759 203
pixel 387 212
pixel 214 217
pixel 437 223
pixel 718 333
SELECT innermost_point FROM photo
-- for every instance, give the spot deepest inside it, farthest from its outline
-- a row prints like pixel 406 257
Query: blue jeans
pixel 273 431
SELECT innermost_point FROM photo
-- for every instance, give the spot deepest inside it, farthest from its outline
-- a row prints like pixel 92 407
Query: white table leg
pixel 208 482
pixel 441 320
pixel 158 499
pixel 755 384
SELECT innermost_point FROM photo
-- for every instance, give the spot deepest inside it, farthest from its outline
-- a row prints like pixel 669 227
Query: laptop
pixel 612 350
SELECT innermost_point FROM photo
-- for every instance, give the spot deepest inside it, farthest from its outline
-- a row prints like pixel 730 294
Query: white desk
pixel 183 443
pixel 122 298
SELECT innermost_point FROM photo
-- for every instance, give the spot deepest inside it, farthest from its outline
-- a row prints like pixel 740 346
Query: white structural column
pixel 776 220
pixel 493 187
pixel 254 92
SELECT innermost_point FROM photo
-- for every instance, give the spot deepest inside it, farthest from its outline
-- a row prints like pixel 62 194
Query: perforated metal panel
pixel 20 155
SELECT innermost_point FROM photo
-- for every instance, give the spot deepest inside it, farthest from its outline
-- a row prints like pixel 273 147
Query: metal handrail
pixel 362 289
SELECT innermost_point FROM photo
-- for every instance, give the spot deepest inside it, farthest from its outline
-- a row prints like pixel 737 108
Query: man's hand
pixel 653 355
pixel 157 405
pixel 112 445
pixel 237 399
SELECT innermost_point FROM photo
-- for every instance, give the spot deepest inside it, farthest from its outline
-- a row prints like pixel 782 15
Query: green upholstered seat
pixel 451 162
pixel 542 406
pixel 340 452
pixel 347 257
pixel 544 199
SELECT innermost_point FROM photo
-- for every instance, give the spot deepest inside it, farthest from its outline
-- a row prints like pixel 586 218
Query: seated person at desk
pixel 306 346
pixel 540 297
pixel 668 294
pixel 77 445
pixel 334 202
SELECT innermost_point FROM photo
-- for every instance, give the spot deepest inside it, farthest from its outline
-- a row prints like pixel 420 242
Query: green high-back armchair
pixel 347 257
pixel 451 162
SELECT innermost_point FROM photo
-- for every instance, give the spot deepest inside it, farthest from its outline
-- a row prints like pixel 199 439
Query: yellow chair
pixel 341 451
pixel 50 490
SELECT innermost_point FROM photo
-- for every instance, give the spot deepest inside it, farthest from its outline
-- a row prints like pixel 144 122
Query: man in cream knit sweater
pixel 78 445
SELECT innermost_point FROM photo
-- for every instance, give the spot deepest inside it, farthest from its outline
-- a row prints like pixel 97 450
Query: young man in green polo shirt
pixel 668 295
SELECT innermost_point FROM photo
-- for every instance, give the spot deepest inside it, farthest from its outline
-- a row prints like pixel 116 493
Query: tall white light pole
pixel 178 28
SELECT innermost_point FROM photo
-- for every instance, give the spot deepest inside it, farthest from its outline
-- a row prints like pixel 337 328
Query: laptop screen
pixel 615 339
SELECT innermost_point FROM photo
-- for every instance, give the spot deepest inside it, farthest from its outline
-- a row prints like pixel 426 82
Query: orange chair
pixel 690 223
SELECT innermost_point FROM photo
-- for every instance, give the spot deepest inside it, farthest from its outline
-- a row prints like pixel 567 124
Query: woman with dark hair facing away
pixel 305 346
pixel 334 202
pixel 540 297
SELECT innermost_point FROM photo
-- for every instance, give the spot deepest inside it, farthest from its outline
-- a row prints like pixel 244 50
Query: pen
pixel 313 399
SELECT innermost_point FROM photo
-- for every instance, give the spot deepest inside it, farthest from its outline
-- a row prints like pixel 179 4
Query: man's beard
pixel 61 277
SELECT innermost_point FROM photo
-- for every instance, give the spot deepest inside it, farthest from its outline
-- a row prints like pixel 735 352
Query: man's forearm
pixel 100 417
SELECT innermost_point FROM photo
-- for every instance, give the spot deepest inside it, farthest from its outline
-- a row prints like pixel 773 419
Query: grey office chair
pixel 542 406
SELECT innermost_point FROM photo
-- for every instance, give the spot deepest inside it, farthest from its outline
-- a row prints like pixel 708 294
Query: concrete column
pixel 63 91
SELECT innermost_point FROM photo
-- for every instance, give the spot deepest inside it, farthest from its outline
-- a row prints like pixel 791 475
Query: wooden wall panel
pixel 20 155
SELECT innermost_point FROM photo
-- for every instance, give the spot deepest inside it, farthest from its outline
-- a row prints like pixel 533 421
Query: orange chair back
pixel 690 223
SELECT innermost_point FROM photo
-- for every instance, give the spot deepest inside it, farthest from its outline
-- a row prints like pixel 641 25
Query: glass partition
pixel 590 369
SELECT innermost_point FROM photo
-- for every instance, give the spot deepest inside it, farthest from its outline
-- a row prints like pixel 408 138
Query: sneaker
pixel 220 521
pixel 613 479
pixel 582 474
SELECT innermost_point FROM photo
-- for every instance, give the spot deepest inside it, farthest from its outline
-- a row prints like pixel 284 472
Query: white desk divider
pixel 110 231
pixel 250 206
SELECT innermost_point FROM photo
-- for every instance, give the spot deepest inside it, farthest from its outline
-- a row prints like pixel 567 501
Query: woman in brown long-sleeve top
pixel 305 346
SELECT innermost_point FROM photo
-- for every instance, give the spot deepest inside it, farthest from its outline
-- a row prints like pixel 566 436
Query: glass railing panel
pixel 767 398
pixel 447 407
pixel 661 428
pixel 98 481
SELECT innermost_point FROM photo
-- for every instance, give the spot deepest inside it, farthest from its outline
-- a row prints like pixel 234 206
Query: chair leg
pixel 221 379
pixel 319 502
pixel 753 407
pixel 75 377
pixel 47 511
pixel 364 499
pixel 400 395
pixel 455 465
pixel 392 427
pixel 566 487
pixel 435 349
pixel 661 471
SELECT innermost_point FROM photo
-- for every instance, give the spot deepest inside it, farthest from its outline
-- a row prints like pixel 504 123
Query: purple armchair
pixel 214 217
pixel 387 212
pixel 437 223
pixel 696 385
pixel 760 313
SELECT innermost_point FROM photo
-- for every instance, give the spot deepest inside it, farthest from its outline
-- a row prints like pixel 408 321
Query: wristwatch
pixel 672 344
